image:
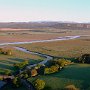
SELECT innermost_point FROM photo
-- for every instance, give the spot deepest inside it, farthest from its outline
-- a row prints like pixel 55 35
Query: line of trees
pixel 55 66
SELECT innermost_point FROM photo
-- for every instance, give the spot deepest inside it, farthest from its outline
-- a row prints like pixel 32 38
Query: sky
pixel 44 10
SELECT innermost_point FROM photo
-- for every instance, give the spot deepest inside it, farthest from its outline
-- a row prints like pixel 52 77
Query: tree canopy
pixel 39 84
pixel 85 58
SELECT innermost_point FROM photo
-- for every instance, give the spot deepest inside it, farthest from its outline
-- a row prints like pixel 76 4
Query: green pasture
pixel 77 74
pixel 67 49
pixel 7 61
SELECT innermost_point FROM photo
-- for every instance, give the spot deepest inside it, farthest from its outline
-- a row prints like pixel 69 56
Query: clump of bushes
pixel 56 65
pixel 33 72
pixel 85 58
pixel 51 69
pixel 39 84
pixel 16 82
pixel 21 65
pixel 5 51
pixel 8 72
pixel 62 62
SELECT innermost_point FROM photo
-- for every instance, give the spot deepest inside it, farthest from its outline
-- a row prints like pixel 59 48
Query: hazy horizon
pixel 44 10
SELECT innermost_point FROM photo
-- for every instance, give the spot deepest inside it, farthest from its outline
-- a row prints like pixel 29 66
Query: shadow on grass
pixel 5 66
pixel 74 72
pixel 7 62
pixel 17 59
pixel 48 88
pixel 86 85
pixel 33 61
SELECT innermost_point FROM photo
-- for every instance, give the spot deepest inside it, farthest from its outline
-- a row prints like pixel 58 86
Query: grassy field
pixel 68 49
pixel 6 61
pixel 22 36
pixel 77 74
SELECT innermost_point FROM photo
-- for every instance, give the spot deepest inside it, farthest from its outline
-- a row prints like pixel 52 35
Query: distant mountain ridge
pixel 43 25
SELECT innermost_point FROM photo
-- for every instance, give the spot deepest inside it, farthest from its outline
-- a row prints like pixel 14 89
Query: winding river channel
pixel 36 41
pixel 47 57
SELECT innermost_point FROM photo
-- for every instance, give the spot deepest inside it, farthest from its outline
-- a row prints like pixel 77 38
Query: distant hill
pixel 43 25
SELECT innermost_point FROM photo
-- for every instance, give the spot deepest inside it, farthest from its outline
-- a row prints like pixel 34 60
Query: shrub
pixel 25 75
pixel 8 52
pixel 47 71
pixel 52 69
pixel 1 50
pixel 16 82
pixel 39 84
pixel 34 72
pixel 63 62
pixel 21 65
pixel 1 78
pixel 85 58
pixel 7 72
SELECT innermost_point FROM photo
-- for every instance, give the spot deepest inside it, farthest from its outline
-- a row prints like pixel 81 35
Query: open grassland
pixel 77 74
pixel 7 61
pixel 68 49
pixel 22 36
pixel 26 37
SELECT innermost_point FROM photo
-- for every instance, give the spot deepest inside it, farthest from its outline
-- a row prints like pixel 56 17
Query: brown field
pixel 11 29
pixel 7 61
pixel 21 36
pixel 72 74
pixel 69 48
